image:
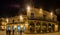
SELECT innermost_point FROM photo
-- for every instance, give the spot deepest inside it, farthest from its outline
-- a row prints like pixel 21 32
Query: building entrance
pixel 38 27
pixel 14 30
pixel 8 31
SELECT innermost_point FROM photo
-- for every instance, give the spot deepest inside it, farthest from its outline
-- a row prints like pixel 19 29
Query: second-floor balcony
pixel 43 19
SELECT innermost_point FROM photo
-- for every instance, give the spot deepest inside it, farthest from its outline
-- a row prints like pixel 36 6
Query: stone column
pixel 47 28
pixel 35 28
pixel 51 28
pixel 41 26
pixel 27 28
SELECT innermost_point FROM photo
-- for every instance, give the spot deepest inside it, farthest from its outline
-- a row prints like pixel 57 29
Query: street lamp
pixel 41 11
pixel 21 18
pixel 51 15
pixel 7 20
pixel 28 8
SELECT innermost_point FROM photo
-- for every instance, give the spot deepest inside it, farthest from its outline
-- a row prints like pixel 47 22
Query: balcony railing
pixel 42 19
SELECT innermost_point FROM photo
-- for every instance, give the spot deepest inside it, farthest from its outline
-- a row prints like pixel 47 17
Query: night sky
pixel 10 8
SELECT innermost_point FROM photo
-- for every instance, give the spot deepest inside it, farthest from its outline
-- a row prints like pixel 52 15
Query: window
pixel 44 16
pixel 38 27
pixel 49 27
pixel 32 27
pixel 32 15
pixel 13 21
pixel 44 27
pixel 24 19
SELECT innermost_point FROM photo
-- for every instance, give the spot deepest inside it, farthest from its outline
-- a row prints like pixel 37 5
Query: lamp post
pixel 21 18
pixel 28 10
pixel 51 15
pixel 41 11
pixel 7 20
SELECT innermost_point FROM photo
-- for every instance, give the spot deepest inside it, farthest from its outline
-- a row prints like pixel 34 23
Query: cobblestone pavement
pixel 55 33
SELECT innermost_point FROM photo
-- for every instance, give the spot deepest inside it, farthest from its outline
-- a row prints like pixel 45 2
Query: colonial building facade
pixel 36 21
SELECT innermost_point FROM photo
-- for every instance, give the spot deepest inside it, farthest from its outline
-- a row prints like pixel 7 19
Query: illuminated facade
pixel 36 21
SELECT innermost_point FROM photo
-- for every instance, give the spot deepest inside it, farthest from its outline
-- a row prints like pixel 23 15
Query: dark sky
pixel 10 8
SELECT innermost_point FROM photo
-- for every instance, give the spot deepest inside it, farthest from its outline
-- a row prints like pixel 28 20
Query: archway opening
pixel 44 27
pixel 38 27
pixel 49 27
pixel 32 27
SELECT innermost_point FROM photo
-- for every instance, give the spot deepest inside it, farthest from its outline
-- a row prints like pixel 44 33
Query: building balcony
pixel 15 23
pixel 43 19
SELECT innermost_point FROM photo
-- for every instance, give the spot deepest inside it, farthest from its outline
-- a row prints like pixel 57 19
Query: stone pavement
pixel 2 33
pixel 55 33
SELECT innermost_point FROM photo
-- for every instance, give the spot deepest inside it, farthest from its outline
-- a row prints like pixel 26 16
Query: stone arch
pixel 44 27
pixel 53 27
pixel 49 27
pixel 32 27
pixel 38 27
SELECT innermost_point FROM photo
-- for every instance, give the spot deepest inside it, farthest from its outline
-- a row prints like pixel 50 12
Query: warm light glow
pixel 21 18
pixel 28 8
pixel 41 11
pixel 7 20
pixel 26 24
pixel 21 26
pixel 2 27
pixel 15 26
pixel 56 27
pixel 51 13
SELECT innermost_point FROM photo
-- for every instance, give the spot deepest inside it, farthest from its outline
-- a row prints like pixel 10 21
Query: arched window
pixel 38 23
pixel 32 15
pixel 32 27
pixel 31 24
pixel 49 27
pixel 38 27
pixel 44 26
